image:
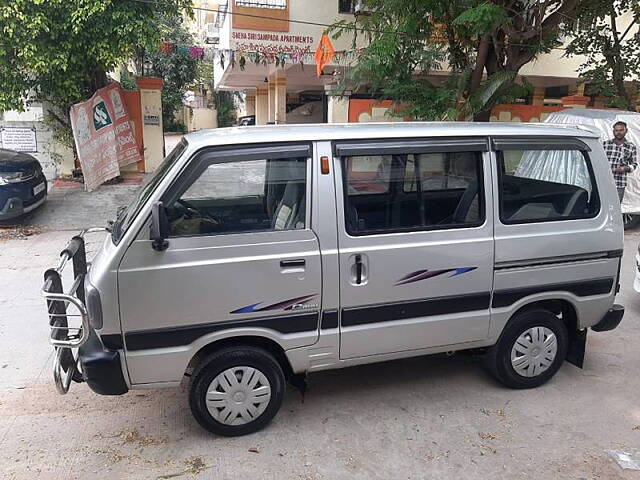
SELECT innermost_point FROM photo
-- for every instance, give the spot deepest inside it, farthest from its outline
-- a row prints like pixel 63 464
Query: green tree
pixel 225 102
pixel 453 59
pixel 178 69
pixel 58 51
pixel 607 34
pixel 225 108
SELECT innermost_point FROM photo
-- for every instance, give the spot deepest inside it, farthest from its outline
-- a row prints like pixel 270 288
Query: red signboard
pixel 103 136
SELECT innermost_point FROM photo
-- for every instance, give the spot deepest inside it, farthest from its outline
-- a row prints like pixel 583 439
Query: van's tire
pixel 245 386
pixel 542 341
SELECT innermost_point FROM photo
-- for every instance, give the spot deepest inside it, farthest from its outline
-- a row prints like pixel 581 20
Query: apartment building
pixel 293 93
pixel 276 92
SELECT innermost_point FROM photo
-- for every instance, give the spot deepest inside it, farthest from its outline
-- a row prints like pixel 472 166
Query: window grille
pixel 272 4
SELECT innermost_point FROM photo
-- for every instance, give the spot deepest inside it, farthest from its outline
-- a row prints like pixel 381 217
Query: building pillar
pixel 262 106
pixel 272 102
pixel 280 100
pixel 152 132
pixel 338 108
pixel 538 96
pixel 250 104
pixel 131 100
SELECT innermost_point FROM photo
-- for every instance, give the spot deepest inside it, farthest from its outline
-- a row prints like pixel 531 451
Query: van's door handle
pixel 358 269
pixel 358 260
pixel 299 262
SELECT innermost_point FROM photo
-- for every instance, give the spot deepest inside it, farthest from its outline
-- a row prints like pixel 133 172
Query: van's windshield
pixel 126 216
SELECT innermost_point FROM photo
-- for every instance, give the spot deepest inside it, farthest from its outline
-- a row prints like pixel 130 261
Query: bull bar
pixel 63 337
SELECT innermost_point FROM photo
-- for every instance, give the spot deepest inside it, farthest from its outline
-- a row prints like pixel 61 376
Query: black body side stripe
pixel 538 262
pixel 598 286
pixel 329 319
pixel 307 322
pixel 112 341
pixel 421 308
pixel 177 336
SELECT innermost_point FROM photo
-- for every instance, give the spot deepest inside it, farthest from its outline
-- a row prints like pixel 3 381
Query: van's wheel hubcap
pixel 238 395
pixel 534 351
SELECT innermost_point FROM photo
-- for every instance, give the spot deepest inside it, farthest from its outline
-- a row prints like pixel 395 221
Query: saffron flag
pixel 324 53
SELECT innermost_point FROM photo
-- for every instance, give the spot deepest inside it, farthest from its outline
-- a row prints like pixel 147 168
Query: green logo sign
pixel 101 116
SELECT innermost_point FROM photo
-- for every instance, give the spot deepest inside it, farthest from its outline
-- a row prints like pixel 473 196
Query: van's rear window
pixel 546 185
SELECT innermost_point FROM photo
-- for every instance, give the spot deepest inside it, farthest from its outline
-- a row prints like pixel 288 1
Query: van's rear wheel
pixel 530 350
pixel 236 391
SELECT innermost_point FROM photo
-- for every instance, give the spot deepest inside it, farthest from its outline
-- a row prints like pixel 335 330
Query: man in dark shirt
pixel 622 156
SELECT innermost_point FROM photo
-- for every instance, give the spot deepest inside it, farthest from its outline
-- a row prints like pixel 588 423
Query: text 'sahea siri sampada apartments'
pixel 265 50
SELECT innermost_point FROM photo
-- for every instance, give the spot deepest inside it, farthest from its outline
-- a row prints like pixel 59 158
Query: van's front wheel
pixel 236 391
pixel 530 350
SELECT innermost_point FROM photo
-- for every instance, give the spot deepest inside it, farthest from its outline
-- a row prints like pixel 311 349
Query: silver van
pixel 256 255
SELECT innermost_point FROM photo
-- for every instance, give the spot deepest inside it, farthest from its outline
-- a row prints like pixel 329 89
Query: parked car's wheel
pixel 631 221
pixel 530 350
pixel 236 391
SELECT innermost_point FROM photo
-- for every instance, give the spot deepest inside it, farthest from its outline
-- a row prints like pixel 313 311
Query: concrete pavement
pixel 430 417
pixel 70 207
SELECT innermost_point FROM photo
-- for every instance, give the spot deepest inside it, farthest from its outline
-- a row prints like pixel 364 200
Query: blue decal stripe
pixel 284 305
pixel 460 271
pixel 247 309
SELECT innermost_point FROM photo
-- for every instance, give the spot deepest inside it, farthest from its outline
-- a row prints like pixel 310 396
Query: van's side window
pixel 243 196
pixel 369 174
pixel 546 185
pixel 404 192
pixel 441 171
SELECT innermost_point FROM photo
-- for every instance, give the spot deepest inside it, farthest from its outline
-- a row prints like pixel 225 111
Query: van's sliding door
pixel 415 233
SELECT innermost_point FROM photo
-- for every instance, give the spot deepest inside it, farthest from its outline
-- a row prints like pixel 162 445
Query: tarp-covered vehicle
pixel 601 121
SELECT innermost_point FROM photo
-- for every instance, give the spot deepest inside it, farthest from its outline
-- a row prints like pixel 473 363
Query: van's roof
pixel 345 131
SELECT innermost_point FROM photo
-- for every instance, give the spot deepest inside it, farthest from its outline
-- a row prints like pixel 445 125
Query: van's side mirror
pixel 159 227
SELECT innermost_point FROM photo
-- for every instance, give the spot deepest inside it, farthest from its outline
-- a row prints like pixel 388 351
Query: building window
pixel 345 6
pixel 273 4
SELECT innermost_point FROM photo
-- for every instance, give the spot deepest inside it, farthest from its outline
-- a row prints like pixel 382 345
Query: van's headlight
pixel 94 305
pixel 10 177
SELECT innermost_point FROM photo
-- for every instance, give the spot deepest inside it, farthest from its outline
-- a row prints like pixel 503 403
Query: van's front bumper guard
pixel 64 337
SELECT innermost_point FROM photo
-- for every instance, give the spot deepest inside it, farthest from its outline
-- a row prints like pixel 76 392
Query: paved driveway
pixel 70 207
pixel 431 417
